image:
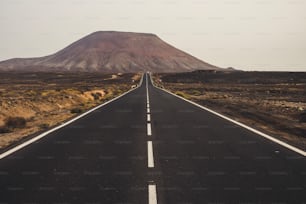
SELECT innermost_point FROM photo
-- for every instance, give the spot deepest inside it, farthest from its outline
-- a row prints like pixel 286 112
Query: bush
pixel 11 123
pixel 195 92
pixel 44 126
pixel 76 110
pixel 303 117
pixel 182 94
pixel 4 130
pixel 96 95
pixel 15 122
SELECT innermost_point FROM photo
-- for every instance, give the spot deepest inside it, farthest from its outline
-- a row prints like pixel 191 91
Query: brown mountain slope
pixel 113 52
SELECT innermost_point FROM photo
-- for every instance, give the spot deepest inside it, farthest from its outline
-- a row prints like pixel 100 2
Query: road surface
pixel 151 147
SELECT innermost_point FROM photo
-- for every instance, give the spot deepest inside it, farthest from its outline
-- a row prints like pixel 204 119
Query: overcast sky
pixel 245 34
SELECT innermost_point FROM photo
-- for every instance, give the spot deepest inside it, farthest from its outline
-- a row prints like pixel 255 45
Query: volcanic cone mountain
pixel 113 52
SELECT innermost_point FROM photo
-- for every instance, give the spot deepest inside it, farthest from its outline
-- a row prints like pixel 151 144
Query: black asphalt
pixel 199 158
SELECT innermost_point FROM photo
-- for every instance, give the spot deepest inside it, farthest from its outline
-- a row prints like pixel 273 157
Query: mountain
pixel 112 52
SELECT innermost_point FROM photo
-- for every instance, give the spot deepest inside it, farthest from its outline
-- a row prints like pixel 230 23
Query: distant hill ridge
pixel 113 52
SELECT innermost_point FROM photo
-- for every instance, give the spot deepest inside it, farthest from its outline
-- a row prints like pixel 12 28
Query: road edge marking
pixel 273 139
pixel 34 139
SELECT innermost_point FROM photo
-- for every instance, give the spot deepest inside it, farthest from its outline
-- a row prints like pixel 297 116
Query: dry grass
pixel 44 100
pixel 274 103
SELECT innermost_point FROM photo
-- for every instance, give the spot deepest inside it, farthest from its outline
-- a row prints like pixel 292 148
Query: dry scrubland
pixel 33 102
pixel 272 102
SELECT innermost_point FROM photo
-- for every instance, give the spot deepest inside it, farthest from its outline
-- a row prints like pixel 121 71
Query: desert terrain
pixel 272 102
pixel 33 102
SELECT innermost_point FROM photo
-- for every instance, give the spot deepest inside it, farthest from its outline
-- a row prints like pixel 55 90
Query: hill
pixel 112 52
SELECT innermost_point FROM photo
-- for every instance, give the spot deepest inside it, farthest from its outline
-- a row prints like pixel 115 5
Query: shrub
pixel 303 117
pixel 4 130
pixel 195 92
pixel 11 123
pixel 44 126
pixel 96 95
pixel 182 94
pixel 76 110
pixel 15 122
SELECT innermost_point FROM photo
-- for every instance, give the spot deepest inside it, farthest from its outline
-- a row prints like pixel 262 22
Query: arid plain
pixel 33 102
pixel 273 102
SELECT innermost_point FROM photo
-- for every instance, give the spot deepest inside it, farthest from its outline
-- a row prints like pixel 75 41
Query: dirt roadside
pixel 33 102
pixel 272 102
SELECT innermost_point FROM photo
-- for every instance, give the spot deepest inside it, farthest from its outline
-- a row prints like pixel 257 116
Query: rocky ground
pixel 33 102
pixel 273 102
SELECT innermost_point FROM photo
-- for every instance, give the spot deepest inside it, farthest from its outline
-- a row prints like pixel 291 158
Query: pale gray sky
pixel 245 34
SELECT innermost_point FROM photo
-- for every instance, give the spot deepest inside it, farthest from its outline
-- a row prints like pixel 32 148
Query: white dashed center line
pixel 151 187
pixel 149 130
pixel 150 155
pixel 152 194
pixel 148 117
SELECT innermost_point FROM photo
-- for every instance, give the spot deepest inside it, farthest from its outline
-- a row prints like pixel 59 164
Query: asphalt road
pixel 151 147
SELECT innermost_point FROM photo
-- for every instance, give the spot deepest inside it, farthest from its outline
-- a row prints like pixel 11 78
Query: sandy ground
pixel 45 100
pixel 271 104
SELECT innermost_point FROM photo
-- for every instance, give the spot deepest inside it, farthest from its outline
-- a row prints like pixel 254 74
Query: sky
pixel 263 35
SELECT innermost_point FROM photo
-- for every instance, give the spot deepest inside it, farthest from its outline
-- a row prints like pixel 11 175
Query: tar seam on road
pixel 288 146
pixel 28 142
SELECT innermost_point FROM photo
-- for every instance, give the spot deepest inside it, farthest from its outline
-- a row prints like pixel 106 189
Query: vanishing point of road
pixel 149 146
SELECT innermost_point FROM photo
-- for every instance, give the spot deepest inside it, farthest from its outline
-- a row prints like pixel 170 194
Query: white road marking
pixel 149 130
pixel 147 89
pixel 150 155
pixel 288 146
pixel 28 142
pixel 146 80
pixel 152 187
pixel 152 194
pixel 148 117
